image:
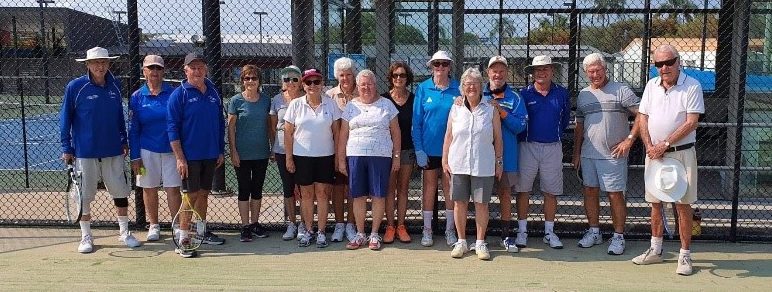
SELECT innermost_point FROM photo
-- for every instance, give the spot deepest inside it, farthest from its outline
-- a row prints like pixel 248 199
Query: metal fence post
pixel 134 84
pixel 739 60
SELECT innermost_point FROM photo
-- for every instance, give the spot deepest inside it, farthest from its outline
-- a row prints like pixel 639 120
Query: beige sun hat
pixel 541 60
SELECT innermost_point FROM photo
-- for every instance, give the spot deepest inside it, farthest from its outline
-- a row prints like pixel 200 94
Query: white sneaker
pixel 684 265
pixel 351 231
pixel 290 233
pixel 508 243
pixel 649 257
pixel 521 240
pixel 617 245
pixel 459 249
pixel 301 230
pixel 482 251
pixel 553 241
pixel 337 235
pixel 589 239
pixel 426 239
pixel 154 232
pixel 129 239
pixel 450 237
pixel 86 244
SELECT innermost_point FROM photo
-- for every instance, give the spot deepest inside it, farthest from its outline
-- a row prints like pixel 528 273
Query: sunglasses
pixel 670 62
pixel 250 78
pixel 314 82
pixel 441 64
pixel 399 75
pixel 155 67
pixel 287 79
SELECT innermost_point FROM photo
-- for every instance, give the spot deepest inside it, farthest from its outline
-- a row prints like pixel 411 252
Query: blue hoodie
pixel 430 115
pixel 91 122
pixel 147 121
pixel 513 122
pixel 196 119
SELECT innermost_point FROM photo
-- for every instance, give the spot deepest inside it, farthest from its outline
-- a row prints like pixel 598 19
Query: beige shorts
pixel 688 158
pixel 544 160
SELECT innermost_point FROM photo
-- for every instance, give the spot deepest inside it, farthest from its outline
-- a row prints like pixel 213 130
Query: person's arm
pixel 135 128
pixel 498 146
pixel 687 127
pixel 340 155
pixel 514 119
pixel 396 142
pixel 221 139
pixel 173 124
pixel 446 145
pixel 289 134
pixel 578 140
pixel 65 124
pixel 418 120
pixel 565 114
pixel 235 160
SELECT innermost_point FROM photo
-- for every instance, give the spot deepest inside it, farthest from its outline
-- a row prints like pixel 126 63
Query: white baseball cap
pixel 497 59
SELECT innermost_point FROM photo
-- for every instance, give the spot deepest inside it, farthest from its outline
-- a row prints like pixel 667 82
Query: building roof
pixel 689 44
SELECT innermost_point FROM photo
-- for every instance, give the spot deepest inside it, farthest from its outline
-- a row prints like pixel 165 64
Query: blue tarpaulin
pixel 753 83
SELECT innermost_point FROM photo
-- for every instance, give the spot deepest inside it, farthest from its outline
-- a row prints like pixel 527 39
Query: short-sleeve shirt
pixel 667 109
pixel 604 112
pixel 369 133
pixel 313 127
pixel 405 119
pixel 278 108
pixel 340 98
pixel 251 126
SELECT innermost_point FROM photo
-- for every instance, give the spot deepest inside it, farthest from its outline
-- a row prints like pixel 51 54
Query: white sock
pixel 479 242
pixel 85 228
pixel 123 224
pixel 522 226
pixel 656 244
pixel 549 226
pixel 428 219
pixel 684 252
pixel 449 220
pixel 154 226
pixel 595 230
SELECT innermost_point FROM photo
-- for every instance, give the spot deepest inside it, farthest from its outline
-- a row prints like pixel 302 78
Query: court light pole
pixel 44 49
pixel 260 15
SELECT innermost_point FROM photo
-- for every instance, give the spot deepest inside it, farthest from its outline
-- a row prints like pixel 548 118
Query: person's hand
pixel 499 170
pixel 459 101
pixel 446 167
pixel 136 166
pixel 182 168
pixel 622 148
pixel 220 160
pixel 395 165
pixel 125 150
pixel 272 157
pixel 341 166
pixel 421 159
pixel 290 164
pixel 235 160
pixel 656 151
pixel 576 161
pixel 68 158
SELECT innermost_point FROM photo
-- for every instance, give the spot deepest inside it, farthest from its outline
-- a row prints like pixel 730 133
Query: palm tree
pixel 606 4
pixel 679 4
pixel 507 29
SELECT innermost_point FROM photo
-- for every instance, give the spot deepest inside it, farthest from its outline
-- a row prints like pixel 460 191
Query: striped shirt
pixel 604 112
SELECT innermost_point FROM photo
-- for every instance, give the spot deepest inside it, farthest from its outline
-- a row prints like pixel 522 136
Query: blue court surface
pixel 43 151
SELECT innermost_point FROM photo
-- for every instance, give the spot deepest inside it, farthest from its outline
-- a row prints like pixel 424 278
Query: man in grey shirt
pixel 602 140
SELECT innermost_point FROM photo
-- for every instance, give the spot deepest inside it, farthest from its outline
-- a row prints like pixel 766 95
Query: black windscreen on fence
pixel 725 45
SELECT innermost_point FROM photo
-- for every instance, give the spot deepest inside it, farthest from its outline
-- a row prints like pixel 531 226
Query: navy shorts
pixel 368 176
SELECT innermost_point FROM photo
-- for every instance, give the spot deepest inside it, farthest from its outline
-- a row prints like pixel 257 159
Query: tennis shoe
pixel 337 235
pixel 154 232
pixel 304 239
pixel 459 249
pixel 290 233
pixel 426 239
pixel 684 265
pixel 553 241
pixel 508 243
pixel 590 239
pixel 617 245
pixel 321 240
pixel 521 240
pixel 450 237
pixel 351 231
pixel 301 229
pixel 358 241
pixel 86 244
pixel 482 251
pixel 129 239
pixel 212 239
pixel 375 242
pixel 649 257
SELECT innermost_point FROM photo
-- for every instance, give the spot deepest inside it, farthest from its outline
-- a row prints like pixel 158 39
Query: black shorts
pixel 435 162
pixel 200 175
pixel 309 170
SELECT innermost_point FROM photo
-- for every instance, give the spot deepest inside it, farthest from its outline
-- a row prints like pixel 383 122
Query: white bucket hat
pixel 439 55
pixel 97 53
pixel 666 179
pixel 541 60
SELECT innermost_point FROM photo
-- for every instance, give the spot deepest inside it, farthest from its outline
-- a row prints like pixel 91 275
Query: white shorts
pixel 160 169
pixel 110 170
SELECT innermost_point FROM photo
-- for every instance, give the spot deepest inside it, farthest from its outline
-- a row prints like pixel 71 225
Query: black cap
pixel 193 57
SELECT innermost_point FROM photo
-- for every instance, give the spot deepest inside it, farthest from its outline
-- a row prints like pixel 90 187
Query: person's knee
pixel 121 202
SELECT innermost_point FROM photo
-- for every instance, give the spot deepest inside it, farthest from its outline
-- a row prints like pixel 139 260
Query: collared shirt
pixel 91 121
pixel 147 120
pixel 667 109
pixel 313 127
pixel 513 122
pixel 604 112
pixel 251 126
pixel 430 115
pixel 369 133
pixel 340 98
pixel 548 115
pixel 278 109
pixel 471 151
pixel 196 119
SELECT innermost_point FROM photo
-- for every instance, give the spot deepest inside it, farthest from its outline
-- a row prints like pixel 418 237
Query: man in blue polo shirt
pixel 196 129
pixel 541 150
pixel 93 136
pixel 511 109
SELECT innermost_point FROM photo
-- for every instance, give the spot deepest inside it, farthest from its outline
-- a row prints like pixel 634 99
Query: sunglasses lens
pixel 290 79
pixel 401 75
pixel 314 82
pixel 670 62
pixel 441 64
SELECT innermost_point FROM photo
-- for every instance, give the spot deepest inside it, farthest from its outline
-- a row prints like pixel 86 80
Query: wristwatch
pixel 667 144
pixel 630 136
pixel 396 155
pixel 499 162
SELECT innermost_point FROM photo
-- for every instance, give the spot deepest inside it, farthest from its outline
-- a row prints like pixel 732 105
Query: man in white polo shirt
pixel 668 113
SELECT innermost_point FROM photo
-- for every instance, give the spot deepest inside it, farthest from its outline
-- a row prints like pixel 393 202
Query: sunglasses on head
pixel 155 67
pixel 250 78
pixel 670 62
pixel 287 79
pixel 441 64
pixel 314 82
pixel 399 75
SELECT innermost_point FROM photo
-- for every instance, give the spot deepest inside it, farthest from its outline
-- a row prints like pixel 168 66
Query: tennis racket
pixel 73 201
pixel 578 173
pixel 670 219
pixel 191 226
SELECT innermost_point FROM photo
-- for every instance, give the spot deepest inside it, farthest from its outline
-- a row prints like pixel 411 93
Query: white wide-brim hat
pixel 541 60
pixel 439 55
pixel 666 179
pixel 97 53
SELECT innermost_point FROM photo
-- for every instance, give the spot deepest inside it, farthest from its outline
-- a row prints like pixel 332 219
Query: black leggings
pixel 287 178
pixel 251 177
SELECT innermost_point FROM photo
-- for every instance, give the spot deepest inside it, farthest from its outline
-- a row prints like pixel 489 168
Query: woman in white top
pixel 290 90
pixel 310 132
pixel 368 152
pixel 472 156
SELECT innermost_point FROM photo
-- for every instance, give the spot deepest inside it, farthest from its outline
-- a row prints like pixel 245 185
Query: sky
pixel 184 16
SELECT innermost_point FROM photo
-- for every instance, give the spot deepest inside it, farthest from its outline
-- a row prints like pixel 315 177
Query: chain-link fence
pixel 726 45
